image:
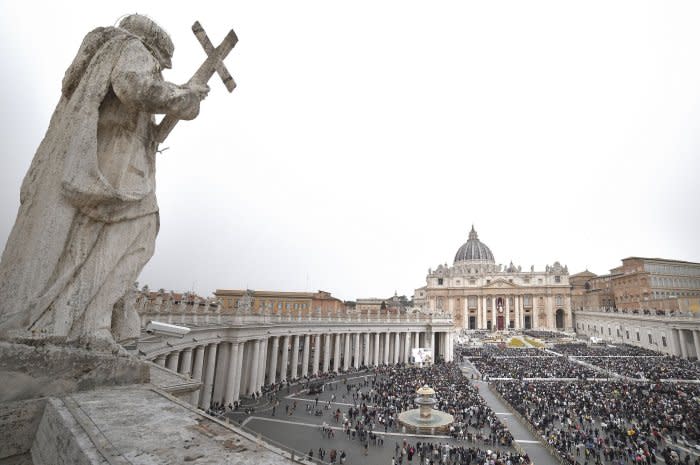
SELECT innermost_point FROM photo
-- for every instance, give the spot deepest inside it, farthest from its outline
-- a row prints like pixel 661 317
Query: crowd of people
pixel 614 423
pixel 424 452
pixel 495 350
pixel 379 399
pixel 583 349
pixel 533 367
pixel 651 368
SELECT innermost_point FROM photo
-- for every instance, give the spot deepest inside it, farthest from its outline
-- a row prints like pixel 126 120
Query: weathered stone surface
pixel 18 424
pixel 45 370
pixel 88 216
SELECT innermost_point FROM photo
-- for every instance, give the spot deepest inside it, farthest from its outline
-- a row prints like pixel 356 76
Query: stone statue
pixel 88 216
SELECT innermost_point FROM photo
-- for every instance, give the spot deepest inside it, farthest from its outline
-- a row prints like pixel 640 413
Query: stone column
pixel 346 351
pixel 432 342
pixel 516 300
pixel 160 360
pixel 263 364
pixel 197 373
pixel 494 312
pixel 326 352
pixel 397 347
pixel 684 344
pixel 356 350
pixel 272 368
pixel 365 358
pixel 386 348
pixel 186 365
pixel 173 359
pixel 232 376
pixel 416 340
pixel 317 354
pixel 506 319
pixel 285 359
pixel 696 341
pixel 220 377
pixel 336 352
pixel 376 349
pixel 254 366
pixel 205 398
pixel 239 372
pixel 407 346
pixel 485 313
pixel 294 371
pixel 305 356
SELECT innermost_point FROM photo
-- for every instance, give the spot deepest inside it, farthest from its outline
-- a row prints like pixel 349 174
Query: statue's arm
pixel 137 83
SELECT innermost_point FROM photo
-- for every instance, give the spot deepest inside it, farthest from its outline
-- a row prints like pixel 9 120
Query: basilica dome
pixel 474 251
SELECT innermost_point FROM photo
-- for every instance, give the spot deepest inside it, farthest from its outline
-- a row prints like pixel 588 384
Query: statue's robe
pixel 88 215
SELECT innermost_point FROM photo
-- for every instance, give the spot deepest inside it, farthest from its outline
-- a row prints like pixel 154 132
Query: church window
pixel 663 341
pixel 557 279
pixel 472 282
pixel 440 281
pixel 651 341
pixel 459 281
pixel 488 281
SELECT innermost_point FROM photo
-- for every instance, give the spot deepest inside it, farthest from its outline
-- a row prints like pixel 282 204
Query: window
pixel 488 281
pixel 472 282
pixel 663 341
pixel 609 332
pixel 279 305
pixel 440 281
pixel 651 341
pixel 557 279
pixel 638 339
pixel 459 281
pixel 627 333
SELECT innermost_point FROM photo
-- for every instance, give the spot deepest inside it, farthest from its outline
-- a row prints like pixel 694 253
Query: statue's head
pixel 153 36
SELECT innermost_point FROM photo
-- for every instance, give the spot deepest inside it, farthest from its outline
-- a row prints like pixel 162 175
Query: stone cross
pixel 213 63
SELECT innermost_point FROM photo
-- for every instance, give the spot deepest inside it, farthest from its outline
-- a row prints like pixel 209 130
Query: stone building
pixel 374 305
pixel 676 333
pixel 479 294
pixel 655 284
pixel 279 302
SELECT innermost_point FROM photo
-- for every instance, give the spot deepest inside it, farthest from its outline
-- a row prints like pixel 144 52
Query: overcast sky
pixel 366 137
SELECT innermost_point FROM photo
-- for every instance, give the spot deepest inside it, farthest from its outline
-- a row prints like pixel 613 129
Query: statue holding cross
pixel 88 215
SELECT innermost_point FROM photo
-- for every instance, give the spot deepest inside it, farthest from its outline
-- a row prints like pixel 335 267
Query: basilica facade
pixel 479 294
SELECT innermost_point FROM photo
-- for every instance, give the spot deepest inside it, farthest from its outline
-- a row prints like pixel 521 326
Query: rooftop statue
pixel 88 216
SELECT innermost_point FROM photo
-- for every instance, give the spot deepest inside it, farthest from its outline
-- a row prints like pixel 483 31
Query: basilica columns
pixel 173 359
pixel 294 373
pixel 376 349
pixel 197 372
pixel 285 358
pixel 254 366
pixel 356 351
pixel 365 358
pixel 186 364
pixel 386 348
pixel 305 356
pixel 205 398
pixel 346 352
pixel 232 376
pixel 326 352
pixel 317 355
pixel 272 369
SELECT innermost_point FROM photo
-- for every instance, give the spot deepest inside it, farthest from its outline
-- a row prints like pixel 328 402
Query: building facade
pixel 653 284
pixel 479 294
pixel 673 334
pixel 279 302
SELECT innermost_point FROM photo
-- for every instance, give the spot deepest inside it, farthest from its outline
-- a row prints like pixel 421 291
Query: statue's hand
pixel 200 90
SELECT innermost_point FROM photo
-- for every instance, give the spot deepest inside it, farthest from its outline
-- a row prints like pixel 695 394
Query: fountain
pixel 425 419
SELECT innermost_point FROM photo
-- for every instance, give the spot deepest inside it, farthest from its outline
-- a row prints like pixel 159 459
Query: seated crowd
pixel 652 368
pixel 583 349
pixel 493 350
pixel 610 422
pixel 533 367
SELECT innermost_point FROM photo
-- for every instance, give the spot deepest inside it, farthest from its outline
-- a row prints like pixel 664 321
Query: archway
pixel 560 318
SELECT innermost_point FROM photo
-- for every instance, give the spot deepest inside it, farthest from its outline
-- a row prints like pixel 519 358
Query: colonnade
pixel 229 370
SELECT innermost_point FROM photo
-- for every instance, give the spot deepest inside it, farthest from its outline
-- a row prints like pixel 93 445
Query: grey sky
pixel 366 137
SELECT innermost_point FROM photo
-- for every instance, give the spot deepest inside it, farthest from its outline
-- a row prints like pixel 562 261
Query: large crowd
pixel 493 350
pixel 444 454
pixel 651 368
pixel 379 400
pixel 582 349
pixel 533 367
pixel 610 422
